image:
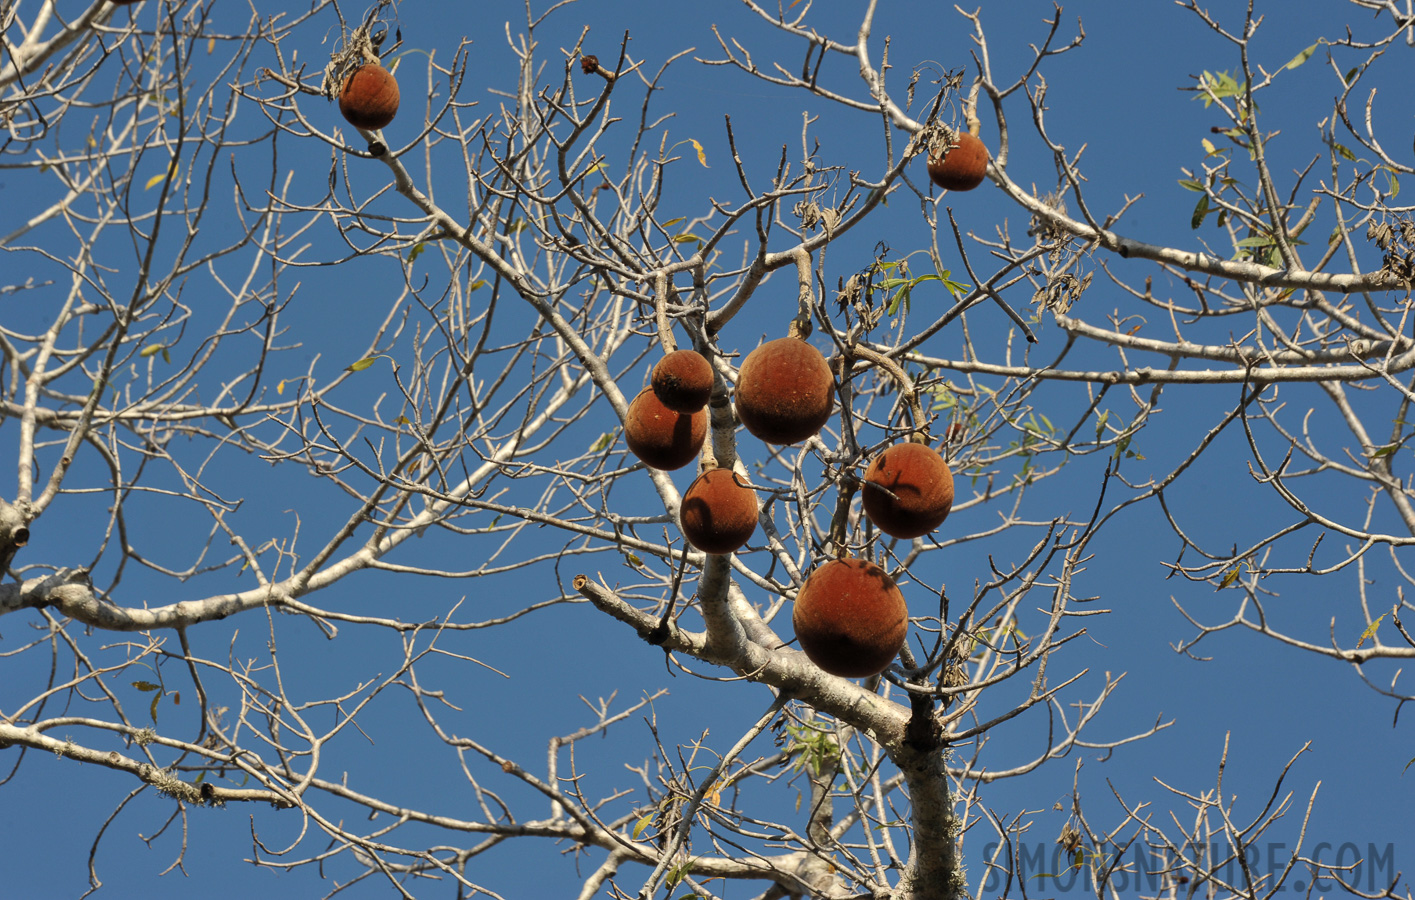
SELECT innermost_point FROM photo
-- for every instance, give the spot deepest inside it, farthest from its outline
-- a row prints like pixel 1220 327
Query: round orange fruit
pixel 784 391
pixel 660 437
pixel 683 381
pixel 908 490
pixel 369 98
pixel 963 167
pixel 718 514
pixel 850 618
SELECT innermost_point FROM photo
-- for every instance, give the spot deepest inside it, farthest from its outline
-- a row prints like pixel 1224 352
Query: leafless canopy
pixel 312 424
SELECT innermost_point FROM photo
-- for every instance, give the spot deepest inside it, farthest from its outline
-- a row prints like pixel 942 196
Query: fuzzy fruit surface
pixel 660 437
pixel 369 99
pixel 718 514
pixel 682 381
pixel 784 391
pixel 850 618
pixel 963 167
pixel 922 487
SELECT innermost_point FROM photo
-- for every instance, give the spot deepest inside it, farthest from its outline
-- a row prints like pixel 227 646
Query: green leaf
pixel 361 364
pixel 476 285
pixel 605 440
pixel 166 357
pixel 1394 187
pixel 1300 58
pixel 151 350
pixel 1255 241
pixel 640 825
pixel 146 686
pixel 417 250
pixel 1201 209
pixel 954 287
pixel 1347 154
pixel 678 873
pixel 1191 185
pixel 152 710
pixel 1217 85
pixel 671 222
pixel 687 238
pixel 634 559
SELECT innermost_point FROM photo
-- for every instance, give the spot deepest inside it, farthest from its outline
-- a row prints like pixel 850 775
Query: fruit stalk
pixel 805 297
pixel 660 312
pixel 907 392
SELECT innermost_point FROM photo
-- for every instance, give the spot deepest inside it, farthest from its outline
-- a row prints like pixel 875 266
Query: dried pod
pixel 660 437
pixel 589 63
pixel 682 380
pixel 908 490
pixel 850 618
pixel 369 98
pixel 784 392
pixel 963 167
pixel 718 514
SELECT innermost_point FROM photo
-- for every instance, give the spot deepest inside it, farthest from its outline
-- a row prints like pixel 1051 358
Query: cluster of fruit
pixel 850 617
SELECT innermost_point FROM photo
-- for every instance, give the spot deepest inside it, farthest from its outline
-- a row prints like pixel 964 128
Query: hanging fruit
pixel 718 513
pixel 660 437
pixel 850 618
pixel 963 167
pixel 369 98
pixel 682 380
pixel 784 391
pixel 908 490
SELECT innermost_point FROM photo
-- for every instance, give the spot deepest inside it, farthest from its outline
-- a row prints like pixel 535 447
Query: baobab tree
pixel 329 487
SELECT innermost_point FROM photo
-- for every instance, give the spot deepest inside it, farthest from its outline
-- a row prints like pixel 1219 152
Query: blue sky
pixel 1120 95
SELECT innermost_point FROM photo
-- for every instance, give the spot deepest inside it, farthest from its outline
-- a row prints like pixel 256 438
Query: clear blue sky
pixel 1118 94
